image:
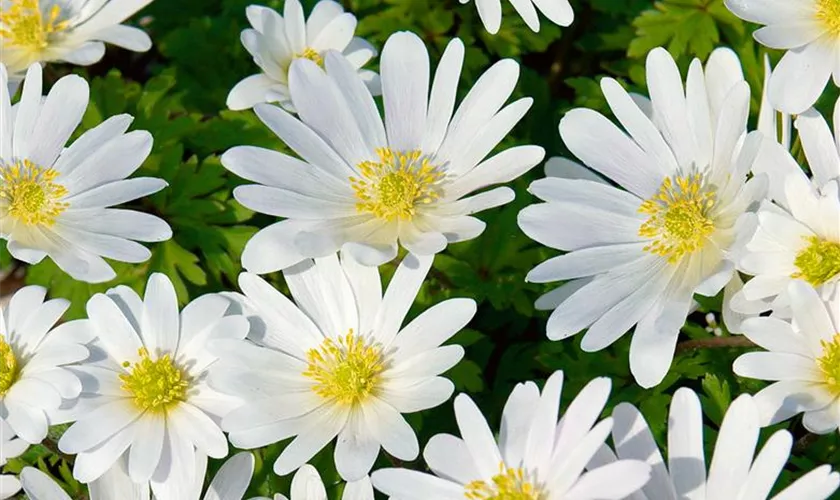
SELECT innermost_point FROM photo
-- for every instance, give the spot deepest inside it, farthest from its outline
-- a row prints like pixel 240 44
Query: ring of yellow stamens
pixel 819 262
pixel 679 221
pixel 346 371
pixel 829 364
pixel 393 187
pixel 8 367
pixel 508 484
pixel 312 55
pixel 30 194
pixel 828 13
pixel 157 385
pixel 23 25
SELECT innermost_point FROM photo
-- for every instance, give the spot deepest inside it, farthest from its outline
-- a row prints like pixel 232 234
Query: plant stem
pixel 715 342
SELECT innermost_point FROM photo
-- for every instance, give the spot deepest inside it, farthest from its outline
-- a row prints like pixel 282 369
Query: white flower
pixel 557 11
pixel 798 235
pixel 230 482
pixel 144 388
pixel 337 363
pixel 810 32
pixel 735 471
pixel 73 31
pixel 34 379
pixel 307 485
pixel 537 455
pixel 638 256
pixel 362 185
pixel 802 358
pixel 275 41
pixel 54 201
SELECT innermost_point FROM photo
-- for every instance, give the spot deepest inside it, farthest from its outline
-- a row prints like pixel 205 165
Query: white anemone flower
pixel 34 355
pixel 802 358
pixel 230 482
pixel 337 363
pixel 638 255
pixel 54 201
pixel 809 30
pixel 557 11
pixel 363 185
pixel 145 393
pixel 537 456
pixel 275 41
pixel 798 232
pixel 73 31
pixel 307 485
pixel 735 470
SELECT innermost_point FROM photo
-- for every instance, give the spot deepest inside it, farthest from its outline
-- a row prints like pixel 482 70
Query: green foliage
pixel 177 92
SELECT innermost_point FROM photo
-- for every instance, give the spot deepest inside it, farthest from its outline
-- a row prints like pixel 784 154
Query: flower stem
pixel 715 342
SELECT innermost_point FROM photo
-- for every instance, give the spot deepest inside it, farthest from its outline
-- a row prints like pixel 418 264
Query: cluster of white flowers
pixel 676 199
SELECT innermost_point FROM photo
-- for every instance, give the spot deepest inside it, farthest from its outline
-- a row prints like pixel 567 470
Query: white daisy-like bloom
pixel 735 470
pixel 638 255
pixel 73 31
pixel 230 482
pixel 275 41
pixel 802 358
pixel 54 201
pixel 337 363
pixel 809 30
pixel 798 232
pixel 144 388
pixel 539 455
pixel 34 355
pixel 558 12
pixel 307 485
pixel 363 185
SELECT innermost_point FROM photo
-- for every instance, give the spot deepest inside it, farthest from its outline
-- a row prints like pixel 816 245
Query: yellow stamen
pixel 680 221
pixel 829 364
pixel 828 13
pixel 819 262
pixel 156 386
pixel 29 194
pixel 312 55
pixel 508 484
pixel 24 25
pixel 8 367
pixel 347 371
pixel 393 187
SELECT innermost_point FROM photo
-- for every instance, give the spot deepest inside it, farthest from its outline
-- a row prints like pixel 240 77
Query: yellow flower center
pixel 8 367
pixel 828 13
pixel 680 221
pixel 156 386
pixel 508 484
pixel 347 371
pixel 819 262
pixel 394 186
pixel 29 194
pixel 312 55
pixel 829 364
pixel 24 25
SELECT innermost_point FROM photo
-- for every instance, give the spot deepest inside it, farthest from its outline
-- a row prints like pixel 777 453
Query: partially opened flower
pixel 798 234
pixel 638 255
pixel 307 485
pixel 54 201
pixel 362 185
pixel 145 393
pixel 73 31
pixel 735 470
pixel 275 41
pixel 338 363
pixel 539 454
pixel 802 358
pixel 557 11
pixel 34 354
pixel 810 32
